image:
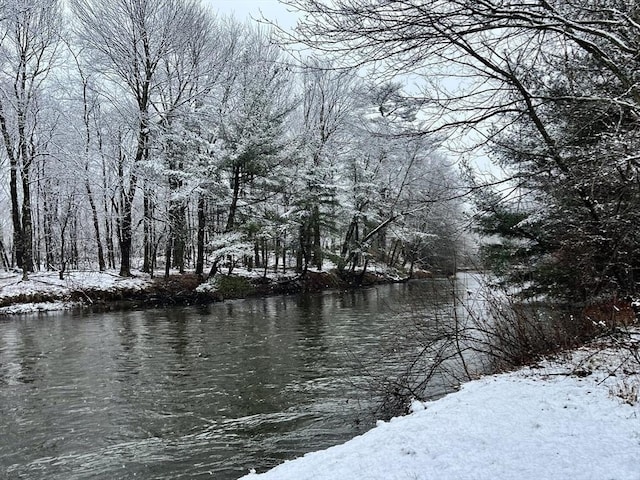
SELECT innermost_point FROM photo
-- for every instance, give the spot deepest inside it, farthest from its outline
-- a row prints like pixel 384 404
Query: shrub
pixel 481 334
pixel 231 286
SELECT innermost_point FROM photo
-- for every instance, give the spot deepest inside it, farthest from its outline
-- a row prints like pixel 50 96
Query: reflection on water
pixel 202 392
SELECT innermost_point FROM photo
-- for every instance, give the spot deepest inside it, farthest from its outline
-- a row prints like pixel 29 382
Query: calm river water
pixel 198 392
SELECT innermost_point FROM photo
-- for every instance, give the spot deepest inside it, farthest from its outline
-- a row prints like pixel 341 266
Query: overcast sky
pixel 246 9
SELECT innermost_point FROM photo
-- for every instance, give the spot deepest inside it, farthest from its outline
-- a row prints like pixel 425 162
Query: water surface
pixel 198 392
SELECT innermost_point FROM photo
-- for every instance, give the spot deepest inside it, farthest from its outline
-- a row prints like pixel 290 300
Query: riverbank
pixel 573 416
pixel 45 291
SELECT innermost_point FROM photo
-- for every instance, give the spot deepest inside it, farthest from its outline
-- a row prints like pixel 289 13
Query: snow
pixel 24 308
pixel 44 291
pixel 575 417
pixel 13 290
pixel 49 282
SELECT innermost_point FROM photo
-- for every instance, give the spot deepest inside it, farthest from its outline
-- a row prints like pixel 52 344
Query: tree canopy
pixel 151 134
pixel 551 90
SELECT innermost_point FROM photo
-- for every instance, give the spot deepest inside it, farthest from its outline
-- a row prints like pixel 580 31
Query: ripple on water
pixel 190 392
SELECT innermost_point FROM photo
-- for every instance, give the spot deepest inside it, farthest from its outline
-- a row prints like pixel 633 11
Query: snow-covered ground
pixel 575 417
pixel 14 292
pixel 44 291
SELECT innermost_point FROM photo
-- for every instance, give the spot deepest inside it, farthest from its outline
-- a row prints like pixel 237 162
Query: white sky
pixel 272 10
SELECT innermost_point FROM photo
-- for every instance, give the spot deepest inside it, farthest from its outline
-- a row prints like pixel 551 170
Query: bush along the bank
pixel 485 332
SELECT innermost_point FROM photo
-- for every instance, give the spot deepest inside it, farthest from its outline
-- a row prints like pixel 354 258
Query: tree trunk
pixel 179 232
pixel 304 247
pixel 63 265
pixel 6 265
pixel 284 254
pixel 63 230
pixel 15 217
pixel 27 224
pixel 37 208
pixel 235 184
pixel 265 258
pixel 167 255
pixel 108 233
pixel 96 226
pixel 147 240
pixel 125 253
pixel 177 217
pixel 200 235
pixel 13 190
pixel 108 221
pixel 256 253
pixel 124 237
pixel 74 257
pixel 317 245
pixel 392 256
pixel 47 227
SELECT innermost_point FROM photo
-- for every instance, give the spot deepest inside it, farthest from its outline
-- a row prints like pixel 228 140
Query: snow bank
pixel 569 419
pixel 44 291
pixel 23 308
pixel 20 296
pixel 49 282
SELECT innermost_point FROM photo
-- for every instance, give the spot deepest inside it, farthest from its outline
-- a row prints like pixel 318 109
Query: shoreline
pixel 106 291
pixel 576 414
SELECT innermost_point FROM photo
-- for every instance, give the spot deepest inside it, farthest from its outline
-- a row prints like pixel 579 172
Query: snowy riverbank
pixel 573 417
pixel 45 291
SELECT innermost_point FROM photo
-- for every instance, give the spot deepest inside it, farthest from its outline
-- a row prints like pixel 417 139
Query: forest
pixel 154 135
pixel 549 91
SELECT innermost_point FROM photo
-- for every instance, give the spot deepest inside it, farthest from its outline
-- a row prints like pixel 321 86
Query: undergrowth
pixel 232 286
pixel 483 332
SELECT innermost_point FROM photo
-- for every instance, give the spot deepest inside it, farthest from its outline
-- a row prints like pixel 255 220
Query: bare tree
pixel 90 109
pixel 130 41
pixel 187 77
pixel 30 36
pixel 550 86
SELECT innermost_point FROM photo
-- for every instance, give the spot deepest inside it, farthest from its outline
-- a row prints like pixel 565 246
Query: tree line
pixel 549 90
pixel 153 134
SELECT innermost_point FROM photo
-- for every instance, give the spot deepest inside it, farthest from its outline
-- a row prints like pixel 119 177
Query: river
pixel 196 392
